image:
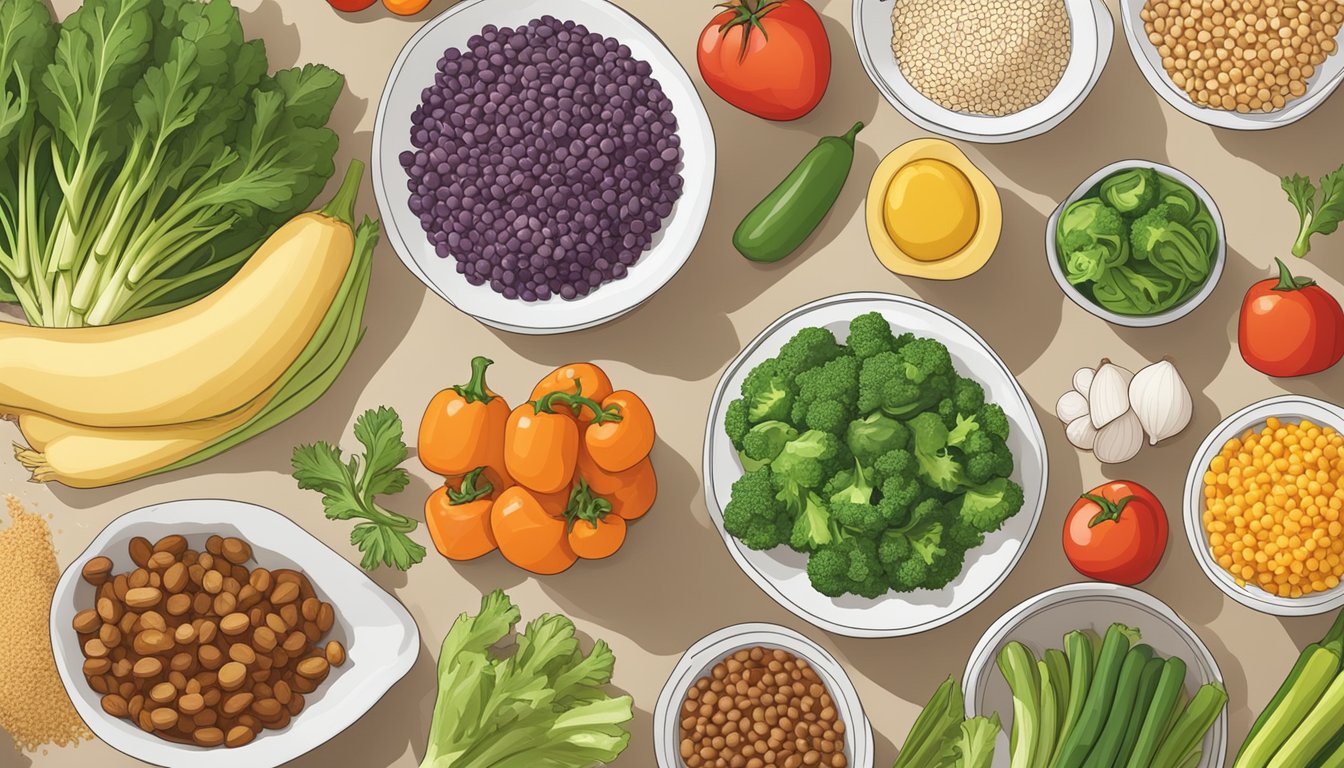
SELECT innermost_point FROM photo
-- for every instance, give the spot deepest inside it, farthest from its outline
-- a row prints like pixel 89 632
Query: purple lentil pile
pixel 546 159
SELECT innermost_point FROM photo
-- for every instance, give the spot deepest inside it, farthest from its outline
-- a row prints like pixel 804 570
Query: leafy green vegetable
pixel 543 706
pixel 146 154
pixel 1132 192
pixel 1170 246
pixel 942 737
pixel 348 488
pixel 1317 214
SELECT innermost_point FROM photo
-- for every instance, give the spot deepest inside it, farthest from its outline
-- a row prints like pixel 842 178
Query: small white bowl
pixel 1092 30
pixel 1327 78
pixel 380 637
pixel 1137 321
pixel 1041 622
pixel 671 247
pixel 701 658
pixel 1288 409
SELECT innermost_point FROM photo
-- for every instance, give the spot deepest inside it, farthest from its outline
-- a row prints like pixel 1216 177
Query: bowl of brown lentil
pixel 790 702
pixel 1264 506
pixel 991 72
pixel 370 640
pixel 1241 64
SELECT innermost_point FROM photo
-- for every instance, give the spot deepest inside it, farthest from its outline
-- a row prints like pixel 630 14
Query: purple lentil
pixel 546 159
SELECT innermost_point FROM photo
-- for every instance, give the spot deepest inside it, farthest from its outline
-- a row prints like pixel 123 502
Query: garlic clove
pixel 1120 440
pixel 1070 406
pixel 1161 401
pixel 1081 433
pixel 1108 397
pixel 1082 380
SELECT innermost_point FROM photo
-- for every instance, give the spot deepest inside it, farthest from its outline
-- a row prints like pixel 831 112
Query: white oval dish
pixel 671 247
pixel 380 637
pixel 710 650
pixel 1041 622
pixel 781 573
pixel 1093 32
pixel 1287 408
pixel 1138 321
pixel 1319 88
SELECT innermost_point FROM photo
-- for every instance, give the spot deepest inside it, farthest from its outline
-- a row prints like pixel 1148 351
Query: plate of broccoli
pixel 873 465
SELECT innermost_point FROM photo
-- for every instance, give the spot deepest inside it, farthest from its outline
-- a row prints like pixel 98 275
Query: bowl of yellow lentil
pixel 992 72
pixel 1241 64
pixel 1264 506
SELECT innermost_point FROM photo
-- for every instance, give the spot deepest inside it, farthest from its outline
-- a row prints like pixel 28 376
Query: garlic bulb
pixel 1108 397
pixel 1082 380
pixel 1161 401
pixel 1081 433
pixel 1071 406
pixel 1120 440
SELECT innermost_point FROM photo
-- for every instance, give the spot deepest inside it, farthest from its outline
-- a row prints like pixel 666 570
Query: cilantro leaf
pixel 348 488
pixel 1317 214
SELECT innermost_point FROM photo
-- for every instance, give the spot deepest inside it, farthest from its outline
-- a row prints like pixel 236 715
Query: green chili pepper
pixel 792 211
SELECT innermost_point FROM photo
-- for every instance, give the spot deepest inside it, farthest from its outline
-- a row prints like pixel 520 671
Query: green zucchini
pixel 1018 665
pixel 1333 754
pixel 1082 665
pixel 1107 746
pixel 1188 731
pixel 1152 673
pixel 1170 687
pixel 1326 720
pixel 1048 733
pixel 1090 723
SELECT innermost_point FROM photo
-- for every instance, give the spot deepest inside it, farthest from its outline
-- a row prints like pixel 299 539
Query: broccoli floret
pixel 909 553
pixel 937 466
pixel 871 437
pixel 809 348
pixel 857 519
pixel 735 422
pixel 755 515
pixel 850 565
pixel 899 495
pixel 985 465
pixel 945 569
pixel 768 393
pixel 870 334
pixel 985 508
pixel 912 379
pixel 1131 192
pixel 896 463
pixel 968 396
pixel 850 485
pixel 766 440
pixel 807 462
pixel 1170 246
pixel 813 527
pixel 961 535
pixel 993 420
pixel 827 395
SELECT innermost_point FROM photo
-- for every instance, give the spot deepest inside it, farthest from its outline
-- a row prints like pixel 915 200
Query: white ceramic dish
pixel 1041 622
pixel 701 658
pixel 1093 32
pixel 1288 409
pixel 414 70
pixel 1137 321
pixel 782 573
pixel 1327 78
pixel 380 637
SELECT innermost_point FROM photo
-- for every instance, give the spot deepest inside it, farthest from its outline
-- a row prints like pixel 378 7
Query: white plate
pixel 1092 29
pixel 1327 78
pixel 782 573
pixel 1288 409
pixel 414 71
pixel 1041 622
pixel 701 658
pixel 1138 321
pixel 380 637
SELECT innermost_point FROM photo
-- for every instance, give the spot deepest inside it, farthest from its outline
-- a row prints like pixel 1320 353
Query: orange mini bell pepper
pixel 463 427
pixel 622 434
pixel 459 519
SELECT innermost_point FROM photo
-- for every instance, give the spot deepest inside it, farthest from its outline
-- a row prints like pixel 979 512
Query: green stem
pixel 342 206
pixel 468 491
pixel 1110 510
pixel 853 135
pixel 583 505
pixel 475 391
pixel 546 404
pixel 1287 282
pixel 1302 245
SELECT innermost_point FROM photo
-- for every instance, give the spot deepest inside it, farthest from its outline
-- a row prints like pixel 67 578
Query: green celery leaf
pixel 380 432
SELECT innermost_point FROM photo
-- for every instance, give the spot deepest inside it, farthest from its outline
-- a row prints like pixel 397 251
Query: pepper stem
pixel 1287 282
pixel 849 138
pixel 583 505
pixel 467 491
pixel 475 391
pixel 1110 510
pixel 576 402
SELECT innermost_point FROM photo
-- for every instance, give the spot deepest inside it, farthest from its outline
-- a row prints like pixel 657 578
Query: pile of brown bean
pixel 1243 55
pixel 196 648
pixel 761 708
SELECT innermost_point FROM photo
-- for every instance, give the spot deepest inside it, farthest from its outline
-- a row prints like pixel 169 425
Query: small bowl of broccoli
pixel 1137 244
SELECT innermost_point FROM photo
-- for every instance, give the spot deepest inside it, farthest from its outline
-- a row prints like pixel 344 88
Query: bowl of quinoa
pixel 989 71
pixel 544 166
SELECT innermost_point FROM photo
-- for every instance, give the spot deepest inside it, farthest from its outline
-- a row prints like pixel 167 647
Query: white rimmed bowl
pixel 414 70
pixel 782 573
pixel 1288 409
pixel 701 658
pixel 1041 622
pixel 380 637
pixel 1138 321
pixel 1093 32
pixel 1327 78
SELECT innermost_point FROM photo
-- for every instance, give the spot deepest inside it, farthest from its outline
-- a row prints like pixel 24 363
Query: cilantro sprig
pixel 348 488
pixel 1319 214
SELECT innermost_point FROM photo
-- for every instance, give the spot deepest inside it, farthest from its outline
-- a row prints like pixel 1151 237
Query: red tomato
pixel 1116 533
pixel 1290 326
pixel 767 57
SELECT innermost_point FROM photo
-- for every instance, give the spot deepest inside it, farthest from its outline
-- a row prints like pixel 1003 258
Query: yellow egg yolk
pixel 931 211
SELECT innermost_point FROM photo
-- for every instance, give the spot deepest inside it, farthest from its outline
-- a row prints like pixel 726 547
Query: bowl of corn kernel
pixel 1264 506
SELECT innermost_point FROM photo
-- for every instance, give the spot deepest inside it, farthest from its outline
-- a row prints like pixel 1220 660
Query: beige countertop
pixel 673 582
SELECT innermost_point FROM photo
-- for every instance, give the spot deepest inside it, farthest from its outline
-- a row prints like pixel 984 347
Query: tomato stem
pixel 748 14
pixel 1110 510
pixel 474 391
pixel 467 491
pixel 1287 282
